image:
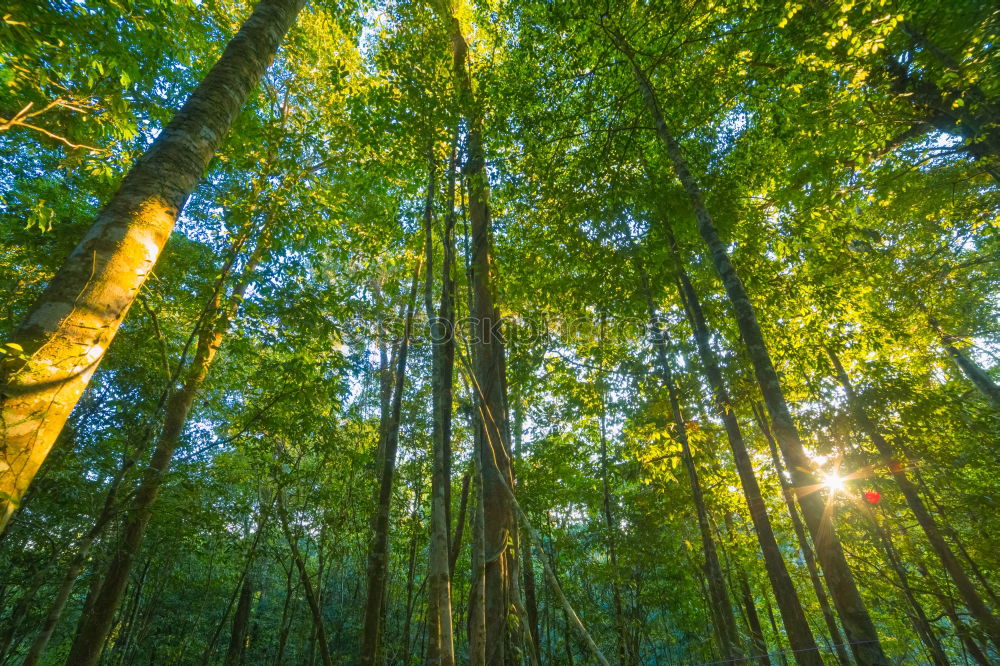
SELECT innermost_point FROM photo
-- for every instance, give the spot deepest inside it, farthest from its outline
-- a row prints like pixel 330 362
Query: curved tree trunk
pixel 68 329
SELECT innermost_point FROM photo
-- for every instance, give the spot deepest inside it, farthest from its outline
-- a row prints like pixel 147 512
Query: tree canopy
pixel 499 332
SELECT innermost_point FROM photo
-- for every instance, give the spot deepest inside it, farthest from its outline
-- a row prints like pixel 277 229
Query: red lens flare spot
pixel 872 497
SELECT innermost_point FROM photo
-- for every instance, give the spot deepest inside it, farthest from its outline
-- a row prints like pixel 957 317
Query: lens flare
pixel 833 482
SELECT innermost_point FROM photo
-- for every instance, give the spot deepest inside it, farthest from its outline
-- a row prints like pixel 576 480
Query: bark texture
pixel 68 329
pixel 803 539
pixel 440 647
pixel 977 375
pixel 241 622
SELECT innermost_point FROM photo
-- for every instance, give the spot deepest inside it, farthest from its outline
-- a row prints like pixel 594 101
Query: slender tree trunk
pixel 411 570
pixel 314 607
pixel 723 620
pixel 531 597
pixel 285 624
pixel 530 594
pixel 803 540
pixel 616 595
pixel 456 542
pixel 799 634
pixel 265 515
pixel 922 625
pixel 440 647
pixel 378 554
pixel 965 636
pixel 946 526
pixel 127 616
pixel 68 583
pixel 977 375
pixel 76 567
pixel 977 607
pixel 753 621
pixel 67 331
pixel 572 619
pixel 20 609
pixel 857 622
pixel 774 628
pixel 477 591
pixel 94 627
pixel 488 360
pixel 237 639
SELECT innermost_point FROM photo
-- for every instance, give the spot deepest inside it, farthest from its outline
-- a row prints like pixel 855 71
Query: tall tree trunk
pixel 530 594
pixel 753 621
pixel 973 601
pixel 311 598
pixel 456 541
pixel 94 627
pixel 378 553
pixel 799 634
pixel 612 530
pixel 723 620
pixel 922 625
pixel 440 647
pixel 285 622
pixel 721 611
pixel 774 628
pixel 237 639
pixel 68 329
pixel 73 572
pixel 499 523
pixel 965 636
pixel 411 569
pixel 977 375
pixel 802 538
pixel 477 588
pixel 857 622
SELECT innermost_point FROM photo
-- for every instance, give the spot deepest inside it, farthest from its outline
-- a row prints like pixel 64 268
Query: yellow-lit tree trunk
pixel 94 627
pixel 67 331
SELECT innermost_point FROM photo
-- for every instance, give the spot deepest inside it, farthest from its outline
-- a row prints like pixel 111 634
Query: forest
pixel 500 332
